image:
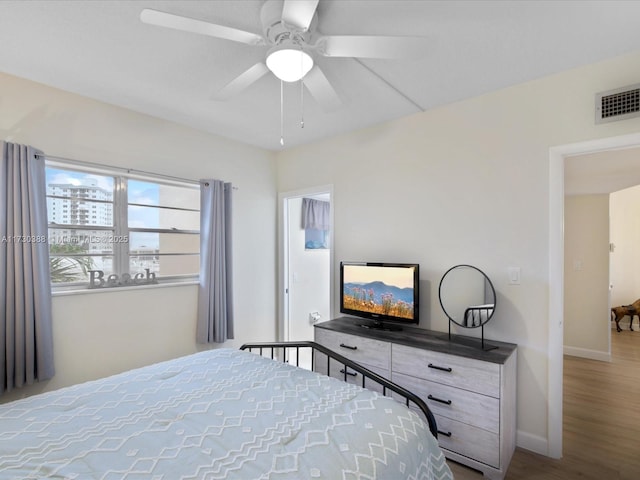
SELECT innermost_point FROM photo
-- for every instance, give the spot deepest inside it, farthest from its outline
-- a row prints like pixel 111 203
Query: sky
pixel 395 276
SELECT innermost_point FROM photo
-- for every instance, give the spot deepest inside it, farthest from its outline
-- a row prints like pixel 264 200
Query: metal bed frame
pixel 347 363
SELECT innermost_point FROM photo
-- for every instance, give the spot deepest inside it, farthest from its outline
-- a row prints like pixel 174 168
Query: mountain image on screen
pixel 378 297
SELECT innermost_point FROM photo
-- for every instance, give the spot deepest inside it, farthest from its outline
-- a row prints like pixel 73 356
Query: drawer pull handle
pixel 436 399
pixel 344 371
pixel 348 346
pixel 446 434
pixel 444 369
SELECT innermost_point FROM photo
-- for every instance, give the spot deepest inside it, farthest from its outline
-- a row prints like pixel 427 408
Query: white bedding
pixel 216 414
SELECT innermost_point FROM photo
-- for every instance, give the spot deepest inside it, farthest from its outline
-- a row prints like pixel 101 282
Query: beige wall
pixel 101 333
pixel 468 183
pixel 586 276
pixel 625 260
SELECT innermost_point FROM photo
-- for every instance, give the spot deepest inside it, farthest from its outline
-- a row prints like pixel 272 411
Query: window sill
pixel 83 291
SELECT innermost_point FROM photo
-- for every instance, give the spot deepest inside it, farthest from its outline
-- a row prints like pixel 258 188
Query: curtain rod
pixel 122 169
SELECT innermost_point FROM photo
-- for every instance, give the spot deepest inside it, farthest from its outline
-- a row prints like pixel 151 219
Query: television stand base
pixel 381 326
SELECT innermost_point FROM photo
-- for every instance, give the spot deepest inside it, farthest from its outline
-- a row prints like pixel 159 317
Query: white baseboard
pixel 587 353
pixel 533 443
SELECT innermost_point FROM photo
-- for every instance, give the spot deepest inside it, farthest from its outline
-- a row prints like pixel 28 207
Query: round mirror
pixel 467 296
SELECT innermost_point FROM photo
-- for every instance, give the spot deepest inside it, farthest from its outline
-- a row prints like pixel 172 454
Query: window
pixel 316 239
pixel 119 226
pixel 316 223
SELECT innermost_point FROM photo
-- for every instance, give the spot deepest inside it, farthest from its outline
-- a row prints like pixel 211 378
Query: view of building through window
pixel 120 225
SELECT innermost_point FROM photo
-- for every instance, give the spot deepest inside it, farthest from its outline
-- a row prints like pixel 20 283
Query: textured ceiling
pixel 101 49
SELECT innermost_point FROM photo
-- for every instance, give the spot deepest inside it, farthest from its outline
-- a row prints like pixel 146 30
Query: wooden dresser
pixel 471 392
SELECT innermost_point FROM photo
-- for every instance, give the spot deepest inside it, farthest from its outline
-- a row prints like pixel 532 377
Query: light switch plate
pixel 514 275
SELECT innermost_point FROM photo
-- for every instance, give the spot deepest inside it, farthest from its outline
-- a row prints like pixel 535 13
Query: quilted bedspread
pixel 216 414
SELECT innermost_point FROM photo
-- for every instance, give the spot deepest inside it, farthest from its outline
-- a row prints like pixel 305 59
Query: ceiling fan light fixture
pixel 289 62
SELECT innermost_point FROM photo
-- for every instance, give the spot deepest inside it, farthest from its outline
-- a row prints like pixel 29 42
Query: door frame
pixel 283 253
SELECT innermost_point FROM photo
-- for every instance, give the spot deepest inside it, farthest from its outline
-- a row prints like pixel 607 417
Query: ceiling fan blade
pixel 186 24
pixel 241 82
pixel 321 90
pixel 299 13
pixel 371 46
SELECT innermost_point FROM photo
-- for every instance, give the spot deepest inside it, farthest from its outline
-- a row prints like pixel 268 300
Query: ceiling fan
pixel 290 30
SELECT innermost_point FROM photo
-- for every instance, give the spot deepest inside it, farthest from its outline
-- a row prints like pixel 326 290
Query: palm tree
pixel 68 268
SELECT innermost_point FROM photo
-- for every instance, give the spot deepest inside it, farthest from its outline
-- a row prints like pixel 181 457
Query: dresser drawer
pixel 362 350
pixel 469 441
pixel 352 377
pixel 473 442
pixel 474 375
pixel 467 407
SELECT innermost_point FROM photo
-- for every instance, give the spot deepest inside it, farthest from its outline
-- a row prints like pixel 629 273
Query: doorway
pixel 557 156
pixel 305 267
pixel 602 203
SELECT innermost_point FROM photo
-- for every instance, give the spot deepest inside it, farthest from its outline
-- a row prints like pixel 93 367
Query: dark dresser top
pixel 459 345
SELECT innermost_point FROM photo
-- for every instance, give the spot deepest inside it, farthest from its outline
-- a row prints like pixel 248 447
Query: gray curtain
pixel 315 214
pixel 26 342
pixel 215 294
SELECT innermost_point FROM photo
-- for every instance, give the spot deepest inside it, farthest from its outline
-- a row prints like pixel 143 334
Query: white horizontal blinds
pixel 164 225
pixel 118 224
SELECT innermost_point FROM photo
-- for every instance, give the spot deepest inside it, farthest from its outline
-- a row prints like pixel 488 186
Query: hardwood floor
pixel 601 424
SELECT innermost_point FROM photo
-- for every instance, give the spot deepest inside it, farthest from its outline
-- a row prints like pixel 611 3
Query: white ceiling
pixel 100 49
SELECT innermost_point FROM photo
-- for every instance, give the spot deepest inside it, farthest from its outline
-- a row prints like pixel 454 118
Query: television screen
pixel 382 292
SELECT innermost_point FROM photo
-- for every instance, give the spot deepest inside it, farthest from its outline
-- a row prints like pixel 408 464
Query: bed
pixel 478 315
pixel 216 414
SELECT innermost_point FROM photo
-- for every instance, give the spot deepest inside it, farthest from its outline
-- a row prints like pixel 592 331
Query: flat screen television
pixel 386 293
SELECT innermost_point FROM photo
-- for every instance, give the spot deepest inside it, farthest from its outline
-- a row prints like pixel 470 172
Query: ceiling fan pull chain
pixel 302 91
pixel 281 113
pixel 301 103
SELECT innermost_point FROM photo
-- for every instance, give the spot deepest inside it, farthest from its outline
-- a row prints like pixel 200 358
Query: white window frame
pixel 120 226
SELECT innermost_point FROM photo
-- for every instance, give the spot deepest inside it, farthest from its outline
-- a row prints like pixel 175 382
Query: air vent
pixel 618 104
